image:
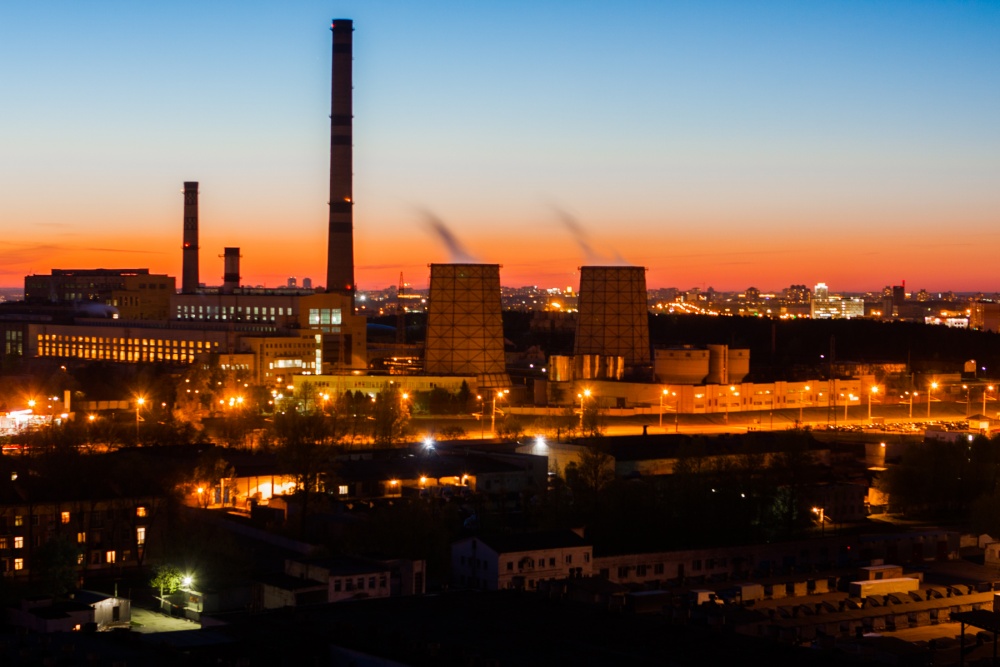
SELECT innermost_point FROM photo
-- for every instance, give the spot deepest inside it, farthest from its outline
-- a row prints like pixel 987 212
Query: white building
pixel 520 561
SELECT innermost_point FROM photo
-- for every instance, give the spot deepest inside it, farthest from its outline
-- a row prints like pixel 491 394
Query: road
pixel 718 423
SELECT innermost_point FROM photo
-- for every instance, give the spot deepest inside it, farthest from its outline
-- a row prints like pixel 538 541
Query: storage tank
pixel 739 364
pixel 560 368
pixel 718 365
pixel 687 365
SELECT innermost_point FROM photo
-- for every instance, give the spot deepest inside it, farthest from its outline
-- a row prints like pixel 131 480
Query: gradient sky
pixel 722 144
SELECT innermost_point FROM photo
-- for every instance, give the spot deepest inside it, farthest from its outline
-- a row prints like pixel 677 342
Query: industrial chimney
pixel 231 272
pixel 189 274
pixel 340 251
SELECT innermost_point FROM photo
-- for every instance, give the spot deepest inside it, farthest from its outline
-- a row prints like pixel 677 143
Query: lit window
pixel 18 563
pixel 18 520
pixel 64 517
pixel 140 535
pixel 140 511
pixel 109 556
pixel 342 489
pixel 79 559
pixel 81 537
pixel 19 542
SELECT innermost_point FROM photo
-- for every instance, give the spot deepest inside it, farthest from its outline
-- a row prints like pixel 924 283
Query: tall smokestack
pixel 340 252
pixel 189 275
pixel 231 270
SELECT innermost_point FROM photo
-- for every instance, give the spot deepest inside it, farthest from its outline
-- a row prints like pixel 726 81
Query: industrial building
pixel 132 294
pixel 132 316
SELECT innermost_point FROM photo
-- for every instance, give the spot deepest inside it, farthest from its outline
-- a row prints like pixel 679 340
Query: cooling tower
pixel 613 318
pixel 340 239
pixel 464 327
pixel 189 271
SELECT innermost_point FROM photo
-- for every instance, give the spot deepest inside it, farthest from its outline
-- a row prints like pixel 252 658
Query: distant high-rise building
pixel 307 283
pixel 292 282
pixel 899 294
pixel 796 294
pixel 823 306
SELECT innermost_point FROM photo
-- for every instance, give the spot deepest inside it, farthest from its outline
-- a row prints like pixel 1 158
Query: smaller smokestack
pixel 189 273
pixel 231 275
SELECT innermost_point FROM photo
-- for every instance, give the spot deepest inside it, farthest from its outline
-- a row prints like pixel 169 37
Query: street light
pixel 585 394
pixel 912 396
pixel 874 390
pixel 677 410
pixel 482 417
pixel 663 393
pixel 934 385
pixel 493 412
pixel 968 395
pixel 139 401
pixel 732 390
pixel 800 403
pixel 821 513
pixel 988 389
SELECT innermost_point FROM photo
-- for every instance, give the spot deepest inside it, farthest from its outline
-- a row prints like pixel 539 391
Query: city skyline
pixel 717 145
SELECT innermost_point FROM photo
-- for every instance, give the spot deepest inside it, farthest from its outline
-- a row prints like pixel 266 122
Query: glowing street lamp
pixel 821 513
pixel 806 388
pixel 733 392
pixel 665 392
pixel 139 402
pixel 934 385
pixel 985 391
pixel 482 417
pixel 582 396
pixel 871 393
pixel 493 412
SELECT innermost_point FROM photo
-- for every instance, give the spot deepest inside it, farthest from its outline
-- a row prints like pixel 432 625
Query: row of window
pixel 122 349
pixel 358 584
pixel 81 537
pixel 253 313
pixel 109 557
pixel 5 542
pixel 65 516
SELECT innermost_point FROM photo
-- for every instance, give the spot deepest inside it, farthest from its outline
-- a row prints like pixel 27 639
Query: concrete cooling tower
pixel 464 326
pixel 613 319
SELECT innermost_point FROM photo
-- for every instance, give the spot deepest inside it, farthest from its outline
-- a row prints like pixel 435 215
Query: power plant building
pixel 271 332
pixel 135 294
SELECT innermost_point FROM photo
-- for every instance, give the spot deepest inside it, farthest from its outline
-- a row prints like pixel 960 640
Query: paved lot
pixel 146 621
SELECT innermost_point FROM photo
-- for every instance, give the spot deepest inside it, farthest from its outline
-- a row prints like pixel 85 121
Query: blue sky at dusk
pixel 717 143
